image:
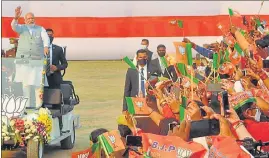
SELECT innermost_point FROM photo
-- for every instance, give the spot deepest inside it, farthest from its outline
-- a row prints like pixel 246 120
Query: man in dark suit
pixel 145 45
pixel 134 82
pixel 57 63
pixel 157 67
pixel 135 86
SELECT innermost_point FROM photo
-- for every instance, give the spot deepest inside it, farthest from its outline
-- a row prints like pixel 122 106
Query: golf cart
pixel 32 115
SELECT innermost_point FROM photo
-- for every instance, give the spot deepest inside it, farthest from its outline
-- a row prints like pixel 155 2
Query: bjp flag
pixel 92 152
pixel 226 147
pixel 181 56
pixel 137 106
pixel 111 142
pixel 170 146
pixel 183 53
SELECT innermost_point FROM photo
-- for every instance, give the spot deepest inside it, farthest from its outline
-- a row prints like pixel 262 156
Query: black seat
pixel 68 99
pixel 70 96
pixel 52 99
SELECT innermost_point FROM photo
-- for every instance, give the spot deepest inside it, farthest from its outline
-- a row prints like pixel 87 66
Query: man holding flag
pixel 136 78
pixel 160 67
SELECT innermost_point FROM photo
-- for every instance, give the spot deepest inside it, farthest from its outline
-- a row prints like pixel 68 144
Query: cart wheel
pixel 35 149
pixel 69 142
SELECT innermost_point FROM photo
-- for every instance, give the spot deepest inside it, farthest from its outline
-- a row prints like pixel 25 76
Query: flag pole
pixel 165 68
pixel 134 124
pixel 103 144
pixel 169 75
pixel 260 8
pixel 191 84
pixel 230 20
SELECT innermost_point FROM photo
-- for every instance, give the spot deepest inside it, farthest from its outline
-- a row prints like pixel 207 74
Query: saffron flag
pixel 181 56
pixel 82 154
pixel 137 106
pixel 226 147
pixel 111 142
pixel 183 53
pixel 171 146
pixel 92 152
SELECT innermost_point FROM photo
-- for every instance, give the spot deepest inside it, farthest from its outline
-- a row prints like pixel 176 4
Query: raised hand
pixel 224 125
pixel 18 12
pixel 182 131
pixel 252 74
pixel 209 111
pixel 186 40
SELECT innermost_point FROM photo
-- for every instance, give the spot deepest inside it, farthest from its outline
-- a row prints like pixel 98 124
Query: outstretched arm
pixel 14 24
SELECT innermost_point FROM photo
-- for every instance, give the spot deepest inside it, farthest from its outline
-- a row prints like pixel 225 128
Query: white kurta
pixel 30 74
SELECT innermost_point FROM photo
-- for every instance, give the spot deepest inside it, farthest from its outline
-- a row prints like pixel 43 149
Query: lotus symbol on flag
pixel 181 50
pixel 12 106
pixel 113 140
pixel 140 105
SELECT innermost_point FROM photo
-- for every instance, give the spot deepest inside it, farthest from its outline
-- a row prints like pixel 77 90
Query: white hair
pixel 29 13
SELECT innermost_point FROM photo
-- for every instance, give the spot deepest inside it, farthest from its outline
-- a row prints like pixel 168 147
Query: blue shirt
pixel 204 52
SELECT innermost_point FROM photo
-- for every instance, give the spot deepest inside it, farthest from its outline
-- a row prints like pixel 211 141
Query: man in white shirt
pixel 57 62
pixel 145 45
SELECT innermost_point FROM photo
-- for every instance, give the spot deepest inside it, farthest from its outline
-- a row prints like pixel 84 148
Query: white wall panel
pixel 131 8
pixel 114 48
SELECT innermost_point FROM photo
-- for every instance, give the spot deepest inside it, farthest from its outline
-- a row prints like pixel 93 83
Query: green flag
pixel 242 32
pixel 105 144
pixel 182 69
pixel 222 58
pixel 164 62
pixel 130 105
pixel 182 108
pixel 195 80
pixel 189 53
pixel 227 58
pixel 180 23
pixel 129 62
pixel 238 49
pixel 258 22
pixel 231 12
pixel 215 61
pixel 95 149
